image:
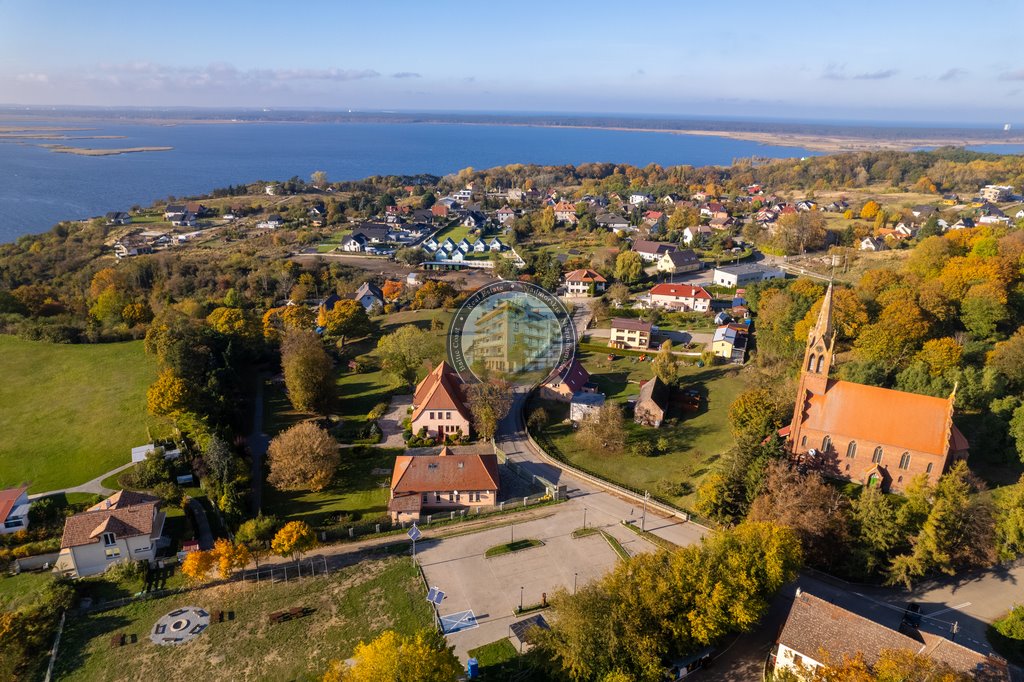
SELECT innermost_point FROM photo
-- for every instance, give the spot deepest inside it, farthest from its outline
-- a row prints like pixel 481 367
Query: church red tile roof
pixel 907 420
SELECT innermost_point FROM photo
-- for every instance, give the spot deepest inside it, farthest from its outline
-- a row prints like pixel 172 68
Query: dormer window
pixel 109 539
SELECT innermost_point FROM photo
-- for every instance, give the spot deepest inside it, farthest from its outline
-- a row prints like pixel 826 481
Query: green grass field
pixel 22 590
pixel 70 412
pixel 357 492
pixel 695 440
pixel 355 603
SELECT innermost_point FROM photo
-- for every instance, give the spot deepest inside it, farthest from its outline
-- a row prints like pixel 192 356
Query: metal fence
pixel 282 573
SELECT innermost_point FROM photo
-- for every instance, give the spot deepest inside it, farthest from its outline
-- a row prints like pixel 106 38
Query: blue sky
pixel 936 61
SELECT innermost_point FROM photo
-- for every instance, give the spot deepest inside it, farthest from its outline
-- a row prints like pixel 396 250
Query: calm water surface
pixel 40 187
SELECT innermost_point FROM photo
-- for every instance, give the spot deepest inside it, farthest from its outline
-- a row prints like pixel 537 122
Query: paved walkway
pixel 94 486
pixel 257 442
pixel 203 534
pixel 391 423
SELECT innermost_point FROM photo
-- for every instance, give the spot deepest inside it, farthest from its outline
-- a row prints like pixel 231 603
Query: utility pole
pixel 643 519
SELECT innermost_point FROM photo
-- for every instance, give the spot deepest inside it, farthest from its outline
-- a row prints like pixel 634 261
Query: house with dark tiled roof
pixel 369 294
pixel 447 481
pixel 870 435
pixel 124 527
pixel 569 380
pixel 651 251
pixel 630 333
pixel 439 407
pixel 652 403
pixel 679 262
pixel 817 632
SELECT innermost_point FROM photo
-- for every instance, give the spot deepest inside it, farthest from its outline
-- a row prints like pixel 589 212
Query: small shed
pixel 584 403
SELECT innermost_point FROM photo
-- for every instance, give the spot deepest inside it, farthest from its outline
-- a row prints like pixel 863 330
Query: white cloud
pixel 37 78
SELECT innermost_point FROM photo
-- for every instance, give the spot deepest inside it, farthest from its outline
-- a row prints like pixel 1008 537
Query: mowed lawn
pixel 355 603
pixel 70 412
pixel 359 491
pixel 695 439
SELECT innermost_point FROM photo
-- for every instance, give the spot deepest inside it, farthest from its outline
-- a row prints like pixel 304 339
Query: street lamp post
pixel 584 518
pixel 520 599
pixel 643 519
pixel 574 576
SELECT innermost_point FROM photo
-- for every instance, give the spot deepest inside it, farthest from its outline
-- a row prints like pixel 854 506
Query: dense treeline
pixel 946 318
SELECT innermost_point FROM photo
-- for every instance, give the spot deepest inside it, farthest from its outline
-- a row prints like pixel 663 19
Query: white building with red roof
pixel 439 406
pixel 14 506
pixel 447 481
pixel 681 297
pixel 584 282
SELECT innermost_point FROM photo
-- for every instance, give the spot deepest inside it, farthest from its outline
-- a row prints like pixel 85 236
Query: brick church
pixel 866 434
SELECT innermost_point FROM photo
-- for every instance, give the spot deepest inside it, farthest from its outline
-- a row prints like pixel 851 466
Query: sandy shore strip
pixel 84 151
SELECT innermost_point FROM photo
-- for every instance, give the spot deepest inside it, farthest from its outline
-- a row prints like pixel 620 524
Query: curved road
pixel 607 507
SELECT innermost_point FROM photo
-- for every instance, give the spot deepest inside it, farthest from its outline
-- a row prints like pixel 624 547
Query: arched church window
pixel 851 450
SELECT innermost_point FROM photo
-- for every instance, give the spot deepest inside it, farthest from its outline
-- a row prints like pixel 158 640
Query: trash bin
pixel 472 669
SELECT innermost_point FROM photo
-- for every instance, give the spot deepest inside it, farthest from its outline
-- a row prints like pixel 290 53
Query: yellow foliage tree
pixel 294 538
pixel 869 210
pixel 230 557
pixel 391 657
pixel 941 355
pixel 231 322
pixel 168 395
pixel 197 565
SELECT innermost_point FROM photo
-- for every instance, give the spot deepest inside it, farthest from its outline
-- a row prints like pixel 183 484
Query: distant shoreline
pixel 85 151
pixel 822 138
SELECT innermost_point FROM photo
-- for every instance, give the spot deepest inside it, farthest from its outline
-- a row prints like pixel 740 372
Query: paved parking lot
pixel 491 588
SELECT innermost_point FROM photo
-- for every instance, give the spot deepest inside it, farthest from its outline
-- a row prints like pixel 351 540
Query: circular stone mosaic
pixel 180 626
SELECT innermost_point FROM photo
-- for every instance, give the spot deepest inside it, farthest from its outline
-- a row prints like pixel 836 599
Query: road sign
pixel 435 596
pixel 414 533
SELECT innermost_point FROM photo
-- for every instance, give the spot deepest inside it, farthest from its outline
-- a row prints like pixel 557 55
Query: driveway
pixel 391 422
pixel 94 486
pixel 492 588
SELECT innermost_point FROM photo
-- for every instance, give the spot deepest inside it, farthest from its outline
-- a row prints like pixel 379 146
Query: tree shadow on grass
pixel 101 627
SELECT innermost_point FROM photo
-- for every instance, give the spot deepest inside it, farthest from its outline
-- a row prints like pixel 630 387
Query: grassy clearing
pixel 22 590
pixel 509 547
pixel 694 440
pixel 353 604
pixel 357 393
pixel 492 656
pixel 356 494
pixel 70 412
pixel 455 232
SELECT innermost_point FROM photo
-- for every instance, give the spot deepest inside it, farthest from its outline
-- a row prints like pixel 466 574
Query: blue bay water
pixel 40 187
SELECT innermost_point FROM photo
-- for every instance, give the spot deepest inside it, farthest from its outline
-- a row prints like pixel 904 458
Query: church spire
pixel 823 329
